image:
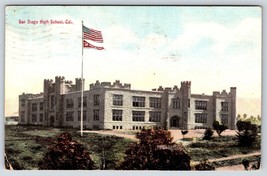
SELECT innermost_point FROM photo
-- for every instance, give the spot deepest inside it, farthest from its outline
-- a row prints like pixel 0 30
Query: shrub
pixel 155 151
pixel 184 132
pixel 219 128
pixel 66 154
pixel 247 133
pixel 208 134
pixel 204 165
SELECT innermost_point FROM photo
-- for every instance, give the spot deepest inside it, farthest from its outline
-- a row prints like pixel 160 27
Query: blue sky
pixel 148 46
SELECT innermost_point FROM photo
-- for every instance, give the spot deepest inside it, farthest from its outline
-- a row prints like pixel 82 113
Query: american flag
pixel 88 45
pixel 92 34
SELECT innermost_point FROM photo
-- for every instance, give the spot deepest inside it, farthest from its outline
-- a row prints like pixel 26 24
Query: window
pixel 201 118
pixel 201 105
pixel 34 118
pixel 69 103
pixel 224 106
pixel 138 101
pixel 41 117
pixel 224 119
pixel 116 115
pixel 96 114
pixel 117 100
pixel 34 107
pixel 22 116
pixel 41 106
pixel 139 116
pixel 84 115
pixel 84 102
pixel 96 100
pixel 69 116
pixel 22 102
pixel 52 102
pixel 154 116
pixel 155 102
pixel 188 101
pixel 176 103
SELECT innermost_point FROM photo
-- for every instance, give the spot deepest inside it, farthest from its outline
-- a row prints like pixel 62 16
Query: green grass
pixel 219 147
pixel 25 146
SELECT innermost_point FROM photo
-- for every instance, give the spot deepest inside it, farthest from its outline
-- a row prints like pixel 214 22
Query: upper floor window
pixel 155 102
pixel 84 102
pixel 117 100
pixel 52 102
pixel 116 115
pixel 154 116
pixel 176 103
pixel 138 116
pixel 34 107
pixel 138 101
pixel 41 106
pixel 201 118
pixel 96 100
pixel 201 105
pixel 69 103
pixel 22 102
pixel 224 106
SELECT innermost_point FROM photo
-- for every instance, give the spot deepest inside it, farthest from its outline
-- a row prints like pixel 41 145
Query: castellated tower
pixel 48 88
pixel 233 107
pixel 79 83
pixel 186 94
pixel 59 101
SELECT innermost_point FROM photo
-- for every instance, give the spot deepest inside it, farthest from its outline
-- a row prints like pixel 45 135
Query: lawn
pixel 25 146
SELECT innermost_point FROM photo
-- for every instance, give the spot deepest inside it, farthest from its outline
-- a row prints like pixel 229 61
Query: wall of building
pixel 100 115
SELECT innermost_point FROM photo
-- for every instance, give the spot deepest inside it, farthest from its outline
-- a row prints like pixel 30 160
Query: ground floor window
pixel 154 116
pixel 201 118
pixel 117 127
pixel 224 119
pixel 138 116
pixel 69 116
pixel 34 118
pixel 116 115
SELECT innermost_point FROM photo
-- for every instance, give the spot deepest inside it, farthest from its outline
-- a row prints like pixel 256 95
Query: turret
pixel 233 108
pixel 60 85
pixel 186 94
pixel 79 83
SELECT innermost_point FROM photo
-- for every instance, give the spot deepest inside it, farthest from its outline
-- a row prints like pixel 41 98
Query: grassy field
pixel 26 145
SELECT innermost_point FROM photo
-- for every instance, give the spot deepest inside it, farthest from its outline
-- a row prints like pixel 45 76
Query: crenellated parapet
pixel 167 89
pixel 116 84
pixel 222 93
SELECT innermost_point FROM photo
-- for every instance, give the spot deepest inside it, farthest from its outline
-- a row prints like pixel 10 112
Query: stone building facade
pixel 116 106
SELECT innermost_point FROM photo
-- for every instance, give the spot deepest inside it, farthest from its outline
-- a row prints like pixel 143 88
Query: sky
pixel 148 46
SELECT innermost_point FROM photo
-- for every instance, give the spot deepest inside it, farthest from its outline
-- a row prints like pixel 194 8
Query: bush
pixel 155 151
pixel 208 134
pixel 184 132
pixel 66 154
pixel 204 165
pixel 219 128
pixel 247 133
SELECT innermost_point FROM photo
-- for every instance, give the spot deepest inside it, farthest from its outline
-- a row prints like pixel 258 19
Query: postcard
pixel 133 88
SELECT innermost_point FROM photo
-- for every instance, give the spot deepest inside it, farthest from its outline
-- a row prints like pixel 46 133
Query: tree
pixel 66 154
pixel 219 128
pixel 247 133
pixel 155 151
pixel 184 132
pixel 208 134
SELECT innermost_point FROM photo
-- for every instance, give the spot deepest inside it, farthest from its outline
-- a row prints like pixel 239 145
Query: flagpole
pixel 82 87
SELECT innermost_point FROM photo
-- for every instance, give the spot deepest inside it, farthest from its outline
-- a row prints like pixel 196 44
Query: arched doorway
pixel 52 120
pixel 175 122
